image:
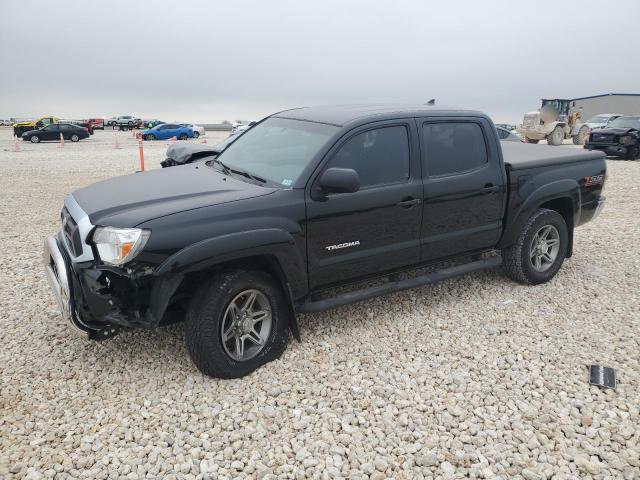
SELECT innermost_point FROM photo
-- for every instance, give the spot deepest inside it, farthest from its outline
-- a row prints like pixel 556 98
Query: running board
pixel 397 286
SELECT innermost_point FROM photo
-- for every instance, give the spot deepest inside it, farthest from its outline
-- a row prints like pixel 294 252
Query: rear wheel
pixel 532 140
pixel 237 322
pixel 633 153
pixel 556 137
pixel 34 139
pixel 75 138
pixel 580 138
pixel 540 249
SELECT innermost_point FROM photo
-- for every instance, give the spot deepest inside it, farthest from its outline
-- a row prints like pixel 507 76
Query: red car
pixel 95 123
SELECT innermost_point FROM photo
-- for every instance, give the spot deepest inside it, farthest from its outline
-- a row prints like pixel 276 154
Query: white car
pixel 602 120
pixel 198 131
pixel 241 127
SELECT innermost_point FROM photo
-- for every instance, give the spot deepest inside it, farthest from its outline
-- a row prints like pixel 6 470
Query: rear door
pixel 464 186
pixel 377 228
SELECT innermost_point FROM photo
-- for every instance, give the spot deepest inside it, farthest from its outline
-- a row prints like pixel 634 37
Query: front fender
pixel 234 246
pixel 528 199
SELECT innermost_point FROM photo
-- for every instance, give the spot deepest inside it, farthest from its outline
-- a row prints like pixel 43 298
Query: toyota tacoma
pixel 311 209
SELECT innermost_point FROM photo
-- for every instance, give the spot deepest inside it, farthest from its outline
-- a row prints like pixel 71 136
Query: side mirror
pixel 340 180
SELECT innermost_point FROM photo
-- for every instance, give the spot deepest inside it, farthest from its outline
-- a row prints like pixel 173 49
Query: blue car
pixel 167 130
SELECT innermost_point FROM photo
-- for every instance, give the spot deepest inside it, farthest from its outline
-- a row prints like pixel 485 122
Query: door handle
pixel 409 202
pixel 490 188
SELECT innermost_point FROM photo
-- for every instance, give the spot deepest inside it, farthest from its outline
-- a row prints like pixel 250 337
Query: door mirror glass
pixel 340 180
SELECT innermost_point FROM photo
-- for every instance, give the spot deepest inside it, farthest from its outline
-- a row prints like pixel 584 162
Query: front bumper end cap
pixel 58 275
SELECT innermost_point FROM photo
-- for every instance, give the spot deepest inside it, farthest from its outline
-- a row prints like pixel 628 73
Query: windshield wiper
pixel 248 175
pixel 225 168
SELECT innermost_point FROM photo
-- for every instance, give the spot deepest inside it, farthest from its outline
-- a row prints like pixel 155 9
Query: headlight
pixel 626 140
pixel 117 246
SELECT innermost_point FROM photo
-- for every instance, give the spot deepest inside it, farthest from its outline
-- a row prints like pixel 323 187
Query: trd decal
pixel 594 180
pixel 343 245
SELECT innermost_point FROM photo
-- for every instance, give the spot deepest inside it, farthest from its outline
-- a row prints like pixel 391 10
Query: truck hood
pixel 27 123
pixel 133 199
pixel 615 131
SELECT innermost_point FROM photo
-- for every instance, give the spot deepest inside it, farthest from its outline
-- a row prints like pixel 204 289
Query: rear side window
pixel 453 147
pixel 380 156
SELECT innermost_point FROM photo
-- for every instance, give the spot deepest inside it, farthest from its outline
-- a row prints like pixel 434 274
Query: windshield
pixel 277 149
pixel 625 122
pixel 598 119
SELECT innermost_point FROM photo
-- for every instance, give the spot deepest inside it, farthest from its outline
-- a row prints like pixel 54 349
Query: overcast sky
pixel 206 61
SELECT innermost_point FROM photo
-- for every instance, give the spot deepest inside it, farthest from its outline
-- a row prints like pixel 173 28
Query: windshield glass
pixel 598 119
pixel 625 122
pixel 277 149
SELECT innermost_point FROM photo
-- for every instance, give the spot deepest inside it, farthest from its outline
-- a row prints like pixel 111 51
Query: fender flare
pixel 559 189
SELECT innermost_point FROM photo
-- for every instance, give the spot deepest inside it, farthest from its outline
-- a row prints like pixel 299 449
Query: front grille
pixel 602 138
pixel 71 233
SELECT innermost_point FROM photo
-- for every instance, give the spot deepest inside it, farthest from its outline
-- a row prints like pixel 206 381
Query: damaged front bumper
pixel 99 300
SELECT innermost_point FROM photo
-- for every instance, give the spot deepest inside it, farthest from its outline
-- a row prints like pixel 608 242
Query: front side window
pixel 277 149
pixel 453 147
pixel 625 122
pixel 380 156
pixel 51 128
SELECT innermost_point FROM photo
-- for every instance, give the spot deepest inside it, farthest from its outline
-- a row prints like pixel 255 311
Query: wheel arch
pixel 562 196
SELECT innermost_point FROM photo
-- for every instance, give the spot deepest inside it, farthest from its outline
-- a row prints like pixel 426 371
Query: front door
pixel 377 228
pixel 464 186
pixel 51 132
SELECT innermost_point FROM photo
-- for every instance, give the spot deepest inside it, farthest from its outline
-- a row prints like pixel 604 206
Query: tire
pixel 556 137
pixel 209 313
pixel 130 124
pixel 532 140
pixel 34 139
pixel 183 136
pixel 196 134
pixel 580 138
pixel 633 153
pixel 150 136
pixel 75 138
pixel 517 260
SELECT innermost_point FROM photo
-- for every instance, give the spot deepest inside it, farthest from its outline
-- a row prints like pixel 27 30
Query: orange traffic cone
pixel 173 139
pixel 141 152
pixel 16 144
pixel 116 145
pixel 204 141
pixel 61 141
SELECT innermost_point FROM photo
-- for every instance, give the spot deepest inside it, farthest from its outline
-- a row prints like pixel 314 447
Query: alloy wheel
pixel 544 248
pixel 246 325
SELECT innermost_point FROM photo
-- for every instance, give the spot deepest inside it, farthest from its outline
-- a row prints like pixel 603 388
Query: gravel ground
pixel 475 377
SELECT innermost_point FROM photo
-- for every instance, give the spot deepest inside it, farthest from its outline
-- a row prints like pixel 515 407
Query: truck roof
pixel 340 115
pixel 522 155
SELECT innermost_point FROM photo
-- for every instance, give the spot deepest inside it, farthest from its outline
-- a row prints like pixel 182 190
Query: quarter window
pixel 453 147
pixel 380 156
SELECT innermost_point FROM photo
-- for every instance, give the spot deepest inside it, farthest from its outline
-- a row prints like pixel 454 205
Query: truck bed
pixel 517 156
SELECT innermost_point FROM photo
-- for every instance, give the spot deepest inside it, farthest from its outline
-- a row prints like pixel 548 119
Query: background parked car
pixel 95 123
pixel 125 120
pixel 20 127
pixel 508 136
pixel 602 120
pixel 506 126
pixel 620 138
pixel 166 131
pixel 151 122
pixel 241 127
pixel 198 131
pixel 52 132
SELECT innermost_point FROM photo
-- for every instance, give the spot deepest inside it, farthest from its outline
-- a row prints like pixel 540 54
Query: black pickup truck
pixel 305 202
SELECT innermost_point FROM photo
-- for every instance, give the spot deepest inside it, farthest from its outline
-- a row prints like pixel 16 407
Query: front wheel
pixel 633 153
pixel 580 138
pixel 237 322
pixel 556 137
pixel 540 249
pixel 35 139
pixel 532 140
pixel 150 136
pixel 196 134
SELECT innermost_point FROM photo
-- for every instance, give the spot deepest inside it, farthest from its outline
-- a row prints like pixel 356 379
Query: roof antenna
pixel 431 102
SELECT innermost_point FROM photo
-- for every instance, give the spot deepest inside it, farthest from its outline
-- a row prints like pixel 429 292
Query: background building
pixel 625 103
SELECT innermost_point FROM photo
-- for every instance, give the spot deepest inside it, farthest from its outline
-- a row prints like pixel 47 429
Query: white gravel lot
pixel 476 377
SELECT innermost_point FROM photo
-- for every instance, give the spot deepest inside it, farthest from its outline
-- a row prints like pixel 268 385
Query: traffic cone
pixel 61 141
pixel 141 153
pixel 173 139
pixel 16 144
pixel 204 141
pixel 116 145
